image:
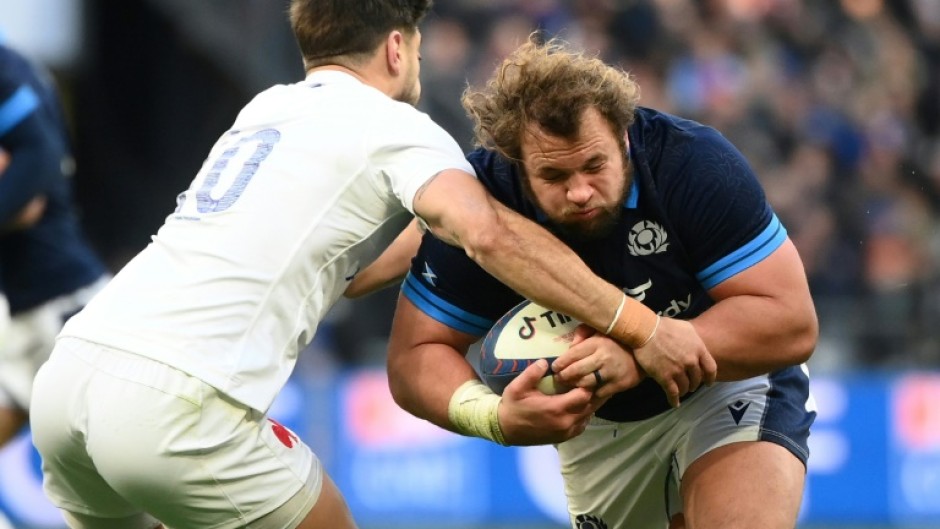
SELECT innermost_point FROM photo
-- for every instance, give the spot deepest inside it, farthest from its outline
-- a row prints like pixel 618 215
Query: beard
pixel 593 229
pixel 410 93
pixel 596 228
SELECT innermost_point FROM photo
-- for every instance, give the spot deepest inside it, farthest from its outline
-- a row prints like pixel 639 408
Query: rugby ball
pixel 519 338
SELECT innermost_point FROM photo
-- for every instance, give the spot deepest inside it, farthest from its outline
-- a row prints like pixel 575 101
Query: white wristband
pixel 617 314
pixel 655 328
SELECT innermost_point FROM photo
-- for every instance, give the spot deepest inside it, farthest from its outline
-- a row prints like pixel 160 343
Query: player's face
pixel 580 183
pixel 411 83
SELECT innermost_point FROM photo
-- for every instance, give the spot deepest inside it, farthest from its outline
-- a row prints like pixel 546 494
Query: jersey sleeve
pixel 450 287
pixel 411 150
pixel 27 134
pixel 719 209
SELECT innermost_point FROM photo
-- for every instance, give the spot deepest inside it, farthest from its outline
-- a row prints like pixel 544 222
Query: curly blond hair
pixel 549 85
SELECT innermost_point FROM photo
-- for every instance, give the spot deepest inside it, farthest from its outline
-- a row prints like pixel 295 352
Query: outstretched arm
pixel 530 260
pixel 534 263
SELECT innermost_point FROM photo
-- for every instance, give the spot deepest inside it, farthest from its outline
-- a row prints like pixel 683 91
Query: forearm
pixel 533 262
pixel 528 259
pixel 753 335
pixel 390 267
pixel 423 381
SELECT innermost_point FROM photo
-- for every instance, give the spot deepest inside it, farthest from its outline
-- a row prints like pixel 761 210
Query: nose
pixel 579 189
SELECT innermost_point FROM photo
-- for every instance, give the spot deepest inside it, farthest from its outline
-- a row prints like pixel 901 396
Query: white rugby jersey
pixel 311 183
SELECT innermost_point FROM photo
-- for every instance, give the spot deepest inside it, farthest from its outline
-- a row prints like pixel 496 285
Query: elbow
pixel 804 339
pixel 398 386
pixel 486 239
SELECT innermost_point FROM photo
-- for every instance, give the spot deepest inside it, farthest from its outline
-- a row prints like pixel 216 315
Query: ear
pixel 393 52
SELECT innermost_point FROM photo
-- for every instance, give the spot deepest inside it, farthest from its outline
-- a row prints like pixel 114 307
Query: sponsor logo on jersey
pixel 647 238
pixel 429 275
pixel 676 306
pixel 738 409
pixel 639 293
pixel 589 521
pixel 285 436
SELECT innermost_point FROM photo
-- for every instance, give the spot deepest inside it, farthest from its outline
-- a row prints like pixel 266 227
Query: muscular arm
pixel 764 318
pixel 426 364
pixel 515 250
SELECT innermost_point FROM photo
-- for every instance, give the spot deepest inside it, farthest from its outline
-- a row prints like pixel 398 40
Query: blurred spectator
pixel 837 104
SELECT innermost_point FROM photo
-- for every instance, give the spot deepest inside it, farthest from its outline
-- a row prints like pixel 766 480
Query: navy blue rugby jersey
pixel 695 216
pixel 51 258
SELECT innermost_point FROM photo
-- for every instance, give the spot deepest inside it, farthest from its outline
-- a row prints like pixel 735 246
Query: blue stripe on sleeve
pixel 442 311
pixel 17 107
pixel 746 256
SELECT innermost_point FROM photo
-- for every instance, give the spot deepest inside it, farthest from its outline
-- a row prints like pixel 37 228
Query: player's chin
pixel 597 227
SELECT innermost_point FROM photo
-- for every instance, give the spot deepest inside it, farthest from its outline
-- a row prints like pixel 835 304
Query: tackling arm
pixel 527 258
pixel 764 318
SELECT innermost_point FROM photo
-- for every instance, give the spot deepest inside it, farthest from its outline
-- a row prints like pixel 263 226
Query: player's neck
pixel 367 75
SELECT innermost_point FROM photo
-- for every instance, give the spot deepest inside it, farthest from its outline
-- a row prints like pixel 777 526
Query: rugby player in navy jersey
pixel 49 270
pixel 670 211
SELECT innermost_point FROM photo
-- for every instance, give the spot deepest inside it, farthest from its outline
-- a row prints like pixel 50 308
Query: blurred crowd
pixel 835 104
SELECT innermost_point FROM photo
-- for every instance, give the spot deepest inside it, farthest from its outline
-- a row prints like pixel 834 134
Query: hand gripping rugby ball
pixel 520 337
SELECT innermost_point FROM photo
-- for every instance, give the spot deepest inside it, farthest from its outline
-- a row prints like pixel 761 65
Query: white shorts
pixel 120 435
pixel 628 474
pixel 30 339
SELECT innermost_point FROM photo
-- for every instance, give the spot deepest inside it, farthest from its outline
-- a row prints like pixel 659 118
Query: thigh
pixel 616 474
pixel 741 433
pixel 83 521
pixel 744 485
pixel 190 456
pixel 169 445
pixel 70 477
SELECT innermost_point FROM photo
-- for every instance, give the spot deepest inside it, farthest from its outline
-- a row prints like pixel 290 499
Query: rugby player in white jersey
pixel 152 407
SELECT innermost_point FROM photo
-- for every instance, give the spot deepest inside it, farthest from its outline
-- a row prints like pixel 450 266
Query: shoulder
pixel 502 178
pixel 662 136
pixel 679 150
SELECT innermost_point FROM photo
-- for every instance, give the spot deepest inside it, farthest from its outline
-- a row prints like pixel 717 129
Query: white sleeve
pixel 410 150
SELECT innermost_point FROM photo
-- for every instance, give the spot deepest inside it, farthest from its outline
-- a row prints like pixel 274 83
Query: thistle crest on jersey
pixel 647 238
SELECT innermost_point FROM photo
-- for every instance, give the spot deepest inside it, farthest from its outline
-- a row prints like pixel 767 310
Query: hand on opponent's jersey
pixel 527 416
pixel 596 362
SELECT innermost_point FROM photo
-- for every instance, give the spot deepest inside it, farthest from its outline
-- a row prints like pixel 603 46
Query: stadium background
pixel 836 103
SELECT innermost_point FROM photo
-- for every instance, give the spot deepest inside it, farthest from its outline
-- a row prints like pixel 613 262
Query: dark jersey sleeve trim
pixel 442 311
